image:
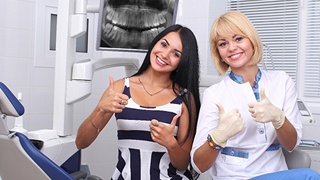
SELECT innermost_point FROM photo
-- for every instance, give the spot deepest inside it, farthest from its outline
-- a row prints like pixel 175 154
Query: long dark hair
pixel 186 76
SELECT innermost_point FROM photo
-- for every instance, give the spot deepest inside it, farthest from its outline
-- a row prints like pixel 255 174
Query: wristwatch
pixel 212 144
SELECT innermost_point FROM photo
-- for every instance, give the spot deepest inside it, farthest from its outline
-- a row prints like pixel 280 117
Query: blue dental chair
pixel 20 158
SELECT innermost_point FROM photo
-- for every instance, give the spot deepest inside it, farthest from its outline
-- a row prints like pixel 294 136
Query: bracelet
pixel 211 143
pixel 97 128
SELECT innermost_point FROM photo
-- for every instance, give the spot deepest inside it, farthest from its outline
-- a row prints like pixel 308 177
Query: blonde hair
pixel 236 23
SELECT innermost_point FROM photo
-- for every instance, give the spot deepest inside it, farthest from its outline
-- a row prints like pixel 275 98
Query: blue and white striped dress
pixel 139 157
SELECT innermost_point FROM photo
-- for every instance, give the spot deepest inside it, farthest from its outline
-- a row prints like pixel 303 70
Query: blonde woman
pixel 247 118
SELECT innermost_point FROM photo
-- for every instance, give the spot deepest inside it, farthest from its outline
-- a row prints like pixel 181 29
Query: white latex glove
pixel 264 111
pixel 229 125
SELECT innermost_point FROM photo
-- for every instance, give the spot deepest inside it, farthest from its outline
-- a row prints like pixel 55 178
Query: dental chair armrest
pixel 297 159
pixel 93 177
pixel 79 175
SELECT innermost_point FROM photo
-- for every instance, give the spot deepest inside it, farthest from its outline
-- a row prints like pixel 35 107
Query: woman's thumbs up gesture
pixel 229 124
pixel 112 101
pixel 264 111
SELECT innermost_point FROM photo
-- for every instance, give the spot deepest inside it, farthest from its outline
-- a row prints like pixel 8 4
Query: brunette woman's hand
pixel 164 133
pixel 112 101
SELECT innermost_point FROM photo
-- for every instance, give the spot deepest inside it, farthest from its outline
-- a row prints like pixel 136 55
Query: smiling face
pixel 235 50
pixel 167 52
pixel 225 27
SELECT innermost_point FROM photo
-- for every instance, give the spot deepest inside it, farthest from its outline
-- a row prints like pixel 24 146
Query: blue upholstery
pixel 11 106
pixel 13 102
pixel 47 165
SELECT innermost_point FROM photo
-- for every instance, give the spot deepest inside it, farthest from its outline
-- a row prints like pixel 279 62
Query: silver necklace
pixel 152 94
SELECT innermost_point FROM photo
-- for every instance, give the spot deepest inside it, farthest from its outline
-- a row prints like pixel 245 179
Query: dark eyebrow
pixel 169 45
pixel 166 41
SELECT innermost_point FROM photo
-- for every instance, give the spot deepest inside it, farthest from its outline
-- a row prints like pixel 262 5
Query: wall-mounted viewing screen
pixel 126 25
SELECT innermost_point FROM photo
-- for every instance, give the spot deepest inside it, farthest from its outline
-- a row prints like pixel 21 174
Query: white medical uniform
pixel 256 137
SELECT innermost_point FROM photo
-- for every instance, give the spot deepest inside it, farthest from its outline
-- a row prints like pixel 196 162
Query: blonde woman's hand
pixel 264 111
pixel 230 124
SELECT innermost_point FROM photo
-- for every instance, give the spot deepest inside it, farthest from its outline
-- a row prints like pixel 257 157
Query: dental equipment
pixel 20 159
pixel 18 124
pixel 71 85
pixel 73 81
pixel 9 106
pixel 82 73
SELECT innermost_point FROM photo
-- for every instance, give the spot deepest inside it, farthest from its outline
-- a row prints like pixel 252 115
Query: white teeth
pixel 129 17
pixel 235 56
pixel 160 61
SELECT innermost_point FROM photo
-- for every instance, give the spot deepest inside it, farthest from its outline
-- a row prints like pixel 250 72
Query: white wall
pixel 19 73
pixel 17 25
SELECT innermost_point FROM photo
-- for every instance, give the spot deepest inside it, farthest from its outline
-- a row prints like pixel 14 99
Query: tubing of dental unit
pixel 18 124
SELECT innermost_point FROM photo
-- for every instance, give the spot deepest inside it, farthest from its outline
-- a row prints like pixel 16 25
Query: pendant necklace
pixel 152 94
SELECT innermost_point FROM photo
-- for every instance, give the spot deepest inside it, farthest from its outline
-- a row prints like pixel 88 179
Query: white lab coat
pixel 255 138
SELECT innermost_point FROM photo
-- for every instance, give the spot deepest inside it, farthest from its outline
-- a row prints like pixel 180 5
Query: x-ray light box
pixel 131 25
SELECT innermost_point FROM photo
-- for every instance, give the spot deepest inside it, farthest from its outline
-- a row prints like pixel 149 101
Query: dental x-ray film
pixel 131 25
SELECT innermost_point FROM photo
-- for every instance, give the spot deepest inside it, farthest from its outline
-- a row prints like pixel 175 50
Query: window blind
pixel 312 61
pixel 277 24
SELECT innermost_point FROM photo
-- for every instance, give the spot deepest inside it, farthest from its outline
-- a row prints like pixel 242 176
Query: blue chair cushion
pixel 46 164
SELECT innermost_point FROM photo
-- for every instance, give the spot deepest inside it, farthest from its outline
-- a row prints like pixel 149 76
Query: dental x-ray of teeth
pixel 131 25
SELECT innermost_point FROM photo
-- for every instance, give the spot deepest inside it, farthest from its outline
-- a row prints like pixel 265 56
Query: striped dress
pixel 139 157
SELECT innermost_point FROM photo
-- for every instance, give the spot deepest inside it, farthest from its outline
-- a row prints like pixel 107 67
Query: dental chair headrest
pixel 9 104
